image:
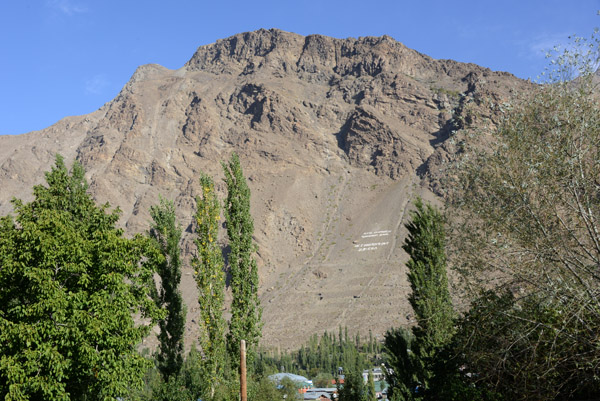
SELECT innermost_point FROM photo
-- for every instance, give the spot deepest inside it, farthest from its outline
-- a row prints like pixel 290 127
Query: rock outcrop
pixel 336 136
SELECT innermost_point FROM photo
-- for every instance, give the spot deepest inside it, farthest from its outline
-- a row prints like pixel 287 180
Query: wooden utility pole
pixel 243 395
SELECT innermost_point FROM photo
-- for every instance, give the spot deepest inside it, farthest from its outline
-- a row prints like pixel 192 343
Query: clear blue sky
pixel 69 57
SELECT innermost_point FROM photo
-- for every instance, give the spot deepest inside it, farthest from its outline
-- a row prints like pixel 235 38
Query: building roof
pixel 315 395
pixel 296 378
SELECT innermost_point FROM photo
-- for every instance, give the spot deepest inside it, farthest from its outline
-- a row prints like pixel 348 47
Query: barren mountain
pixel 336 136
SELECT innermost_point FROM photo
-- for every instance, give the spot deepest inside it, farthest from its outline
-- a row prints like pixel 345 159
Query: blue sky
pixel 69 57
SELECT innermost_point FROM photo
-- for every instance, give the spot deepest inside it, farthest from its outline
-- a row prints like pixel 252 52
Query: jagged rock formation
pixel 335 136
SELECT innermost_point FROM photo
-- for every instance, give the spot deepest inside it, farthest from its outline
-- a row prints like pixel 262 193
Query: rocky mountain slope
pixel 336 137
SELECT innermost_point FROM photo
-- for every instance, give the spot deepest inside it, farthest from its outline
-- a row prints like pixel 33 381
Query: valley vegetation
pixel 523 235
pixel 78 298
pixel 520 228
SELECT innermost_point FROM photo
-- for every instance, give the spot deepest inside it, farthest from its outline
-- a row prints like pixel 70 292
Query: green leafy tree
pixel 175 389
pixel 167 235
pixel 527 217
pixel 246 312
pixel 192 372
pixel 323 380
pixel 413 358
pixel 318 359
pixel 371 394
pixel 210 281
pixel 69 286
pixel 401 364
pixel 263 389
pixel 430 297
pixel 288 389
pixel 353 388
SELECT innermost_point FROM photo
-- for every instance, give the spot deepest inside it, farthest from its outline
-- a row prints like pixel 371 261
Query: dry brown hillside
pixel 336 137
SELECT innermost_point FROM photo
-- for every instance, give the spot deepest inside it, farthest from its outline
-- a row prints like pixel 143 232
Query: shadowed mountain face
pixel 335 136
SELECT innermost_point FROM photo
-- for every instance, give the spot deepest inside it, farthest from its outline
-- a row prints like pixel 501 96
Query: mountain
pixel 336 136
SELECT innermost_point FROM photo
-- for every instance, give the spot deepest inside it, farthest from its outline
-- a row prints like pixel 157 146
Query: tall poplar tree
pixel 246 312
pixel 353 388
pixel 430 297
pixel 167 235
pixel 210 280
pixel 412 357
pixel 401 370
pixel 371 393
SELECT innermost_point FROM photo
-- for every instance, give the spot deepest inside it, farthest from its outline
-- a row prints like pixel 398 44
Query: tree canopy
pixel 167 234
pixel 210 280
pixel 246 312
pixel 69 286
pixel 430 296
pixel 527 228
pixel 411 356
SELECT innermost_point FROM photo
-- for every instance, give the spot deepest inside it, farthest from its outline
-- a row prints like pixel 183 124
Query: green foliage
pixel 527 218
pixel 264 390
pixel 166 234
pixel 411 358
pixel 454 378
pixel 321 356
pixel 371 394
pixel 229 390
pixel 193 373
pixel 322 380
pixel 245 323
pixel 430 297
pixel 187 385
pixel 401 365
pixel 175 389
pixel 511 342
pixel 353 388
pixel 69 284
pixel 210 280
pixel 288 389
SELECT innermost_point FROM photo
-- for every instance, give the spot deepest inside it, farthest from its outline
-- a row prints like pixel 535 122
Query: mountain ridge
pixel 336 136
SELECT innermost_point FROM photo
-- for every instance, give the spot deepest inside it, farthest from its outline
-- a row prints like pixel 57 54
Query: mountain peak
pixel 335 136
pixel 290 53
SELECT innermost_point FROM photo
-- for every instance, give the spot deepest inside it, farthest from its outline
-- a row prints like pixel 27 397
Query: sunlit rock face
pixel 336 136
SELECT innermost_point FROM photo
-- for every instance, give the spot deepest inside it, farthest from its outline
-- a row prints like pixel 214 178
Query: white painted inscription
pixel 372 234
pixel 370 246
